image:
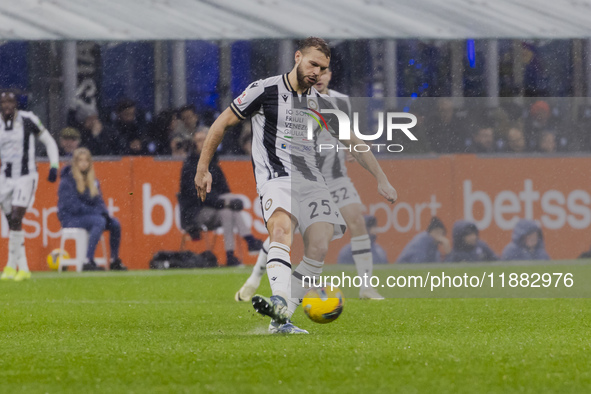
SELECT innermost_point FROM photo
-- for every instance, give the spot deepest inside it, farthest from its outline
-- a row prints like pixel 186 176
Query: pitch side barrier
pixel 493 191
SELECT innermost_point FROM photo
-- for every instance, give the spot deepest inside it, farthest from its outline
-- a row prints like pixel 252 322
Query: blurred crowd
pixel 536 126
pixel 441 129
pixel 130 131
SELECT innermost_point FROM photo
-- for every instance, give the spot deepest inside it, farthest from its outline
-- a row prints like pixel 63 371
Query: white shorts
pixel 309 202
pixel 343 192
pixel 18 192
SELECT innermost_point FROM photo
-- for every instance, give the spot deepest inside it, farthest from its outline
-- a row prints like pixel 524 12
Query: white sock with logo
pixel 279 269
pixel 361 249
pixel 300 280
pixel 20 254
pixel 260 267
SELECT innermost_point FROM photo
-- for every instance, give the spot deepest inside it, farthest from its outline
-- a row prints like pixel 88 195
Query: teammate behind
pixel 345 196
pixel 289 182
pixel 18 176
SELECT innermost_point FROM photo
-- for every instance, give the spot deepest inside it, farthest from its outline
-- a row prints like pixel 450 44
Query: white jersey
pixel 17 144
pixel 332 163
pixel 279 117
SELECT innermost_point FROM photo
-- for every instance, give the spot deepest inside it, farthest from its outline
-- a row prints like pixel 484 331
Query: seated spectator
pixel 69 141
pixel 189 119
pixel 527 242
pixel 162 131
pixel 179 147
pixel 424 247
pixel 483 140
pixel 442 128
pixel 100 140
pixel 378 253
pixel 220 208
pixel 80 204
pixel 127 127
pixel 467 245
pixel 547 142
pixel 539 119
pixel 515 141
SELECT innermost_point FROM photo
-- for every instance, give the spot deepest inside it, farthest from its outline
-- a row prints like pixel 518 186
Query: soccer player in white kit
pixel 18 176
pixel 345 196
pixel 290 185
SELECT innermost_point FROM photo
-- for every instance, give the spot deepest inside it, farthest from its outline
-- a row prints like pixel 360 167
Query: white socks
pixel 361 248
pixel 16 250
pixel 260 267
pixel 279 269
pixel 308 268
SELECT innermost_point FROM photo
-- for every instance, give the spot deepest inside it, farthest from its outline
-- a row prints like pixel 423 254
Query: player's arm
pixel 52 153
pixel 370 163
pixel 212 141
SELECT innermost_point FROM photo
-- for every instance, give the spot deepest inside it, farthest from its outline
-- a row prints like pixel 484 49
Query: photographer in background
pixel 220 209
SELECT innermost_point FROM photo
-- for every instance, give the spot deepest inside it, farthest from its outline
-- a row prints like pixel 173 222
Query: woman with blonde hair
pixel 80 204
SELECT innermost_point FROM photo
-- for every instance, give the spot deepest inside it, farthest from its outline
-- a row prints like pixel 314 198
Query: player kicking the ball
pixel 290 185
pixel 18 176
pixel 345 196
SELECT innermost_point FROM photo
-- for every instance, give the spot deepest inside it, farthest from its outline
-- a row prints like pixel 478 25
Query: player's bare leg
pixel 361 248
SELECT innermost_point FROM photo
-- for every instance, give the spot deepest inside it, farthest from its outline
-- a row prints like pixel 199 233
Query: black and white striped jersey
pixel 279 117
pixel 331 162
pixel 17 144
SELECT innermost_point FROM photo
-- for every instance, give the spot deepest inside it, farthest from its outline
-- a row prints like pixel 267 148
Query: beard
pixel 302 78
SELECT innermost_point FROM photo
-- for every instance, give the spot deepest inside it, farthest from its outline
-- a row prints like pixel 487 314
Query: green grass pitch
pixel 182 332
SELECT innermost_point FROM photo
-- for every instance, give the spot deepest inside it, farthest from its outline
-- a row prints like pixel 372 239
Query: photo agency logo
pixel 394 121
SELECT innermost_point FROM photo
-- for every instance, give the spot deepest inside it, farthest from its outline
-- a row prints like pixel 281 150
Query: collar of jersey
pixel 291 89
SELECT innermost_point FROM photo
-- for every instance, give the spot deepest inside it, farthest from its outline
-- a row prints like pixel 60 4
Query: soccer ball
pixel 53 258
pixel 323 305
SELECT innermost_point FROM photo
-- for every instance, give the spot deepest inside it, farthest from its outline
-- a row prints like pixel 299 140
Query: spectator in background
pixel 80 204
pixel 220 208
pixel 128 127
pixel 443 129
pixel 547 142
pixel 483 140
pixel 69 141
pixel 189 119
pixel 537 121
pixel 527 242
pixel 424 247
pixel 467 245
pixel 515 141
pixel 378 253
pixel 100 140
pixel 179 147
pixel 162 132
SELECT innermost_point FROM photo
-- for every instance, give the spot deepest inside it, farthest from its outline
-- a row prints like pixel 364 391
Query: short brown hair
pixel 316 43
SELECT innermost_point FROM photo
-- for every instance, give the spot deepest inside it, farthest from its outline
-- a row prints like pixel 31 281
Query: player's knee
pixel 280 233
pixel 357 226
pixel 15 222
pixel 317 249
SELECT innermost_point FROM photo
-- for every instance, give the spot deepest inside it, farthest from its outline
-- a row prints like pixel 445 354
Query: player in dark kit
pixel 290 184
pixel 18 176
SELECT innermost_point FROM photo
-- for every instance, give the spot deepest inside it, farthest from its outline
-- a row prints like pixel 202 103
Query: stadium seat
pixel 80 237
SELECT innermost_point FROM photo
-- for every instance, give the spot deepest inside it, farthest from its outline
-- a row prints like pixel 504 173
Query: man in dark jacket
pixel 467 245
pixel 99 139
pixel 220 208
pixel 90 213
pixel 527 242
pixel 424 247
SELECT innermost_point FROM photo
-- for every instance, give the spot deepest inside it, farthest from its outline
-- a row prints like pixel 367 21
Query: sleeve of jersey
pixel 38 127
pixel 249 101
